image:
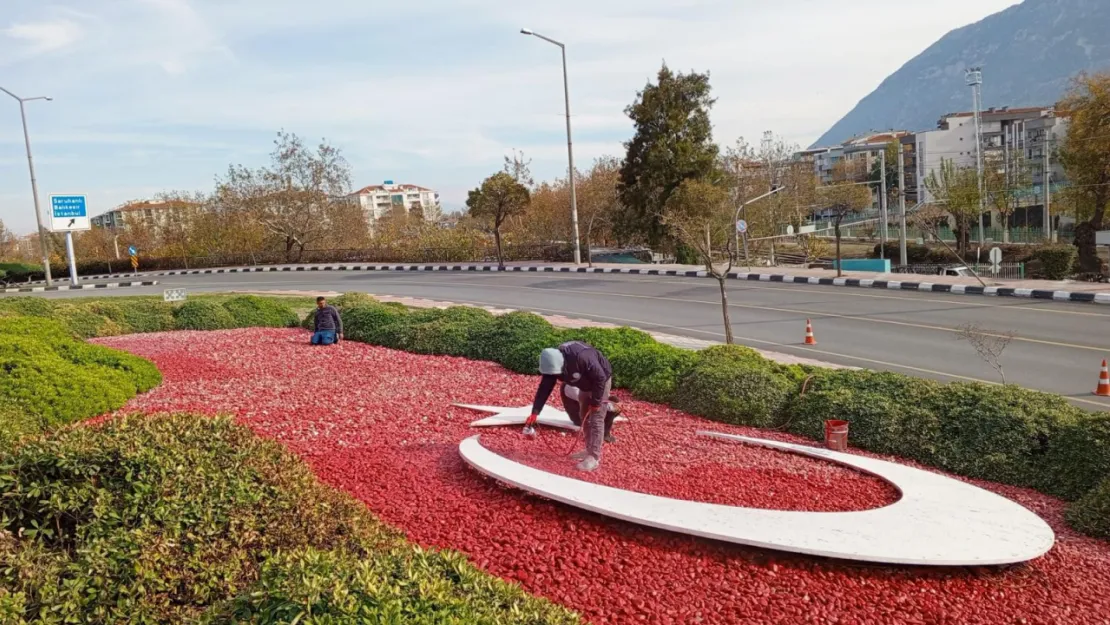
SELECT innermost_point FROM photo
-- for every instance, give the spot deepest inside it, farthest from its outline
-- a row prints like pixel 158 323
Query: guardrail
pixel 1004 271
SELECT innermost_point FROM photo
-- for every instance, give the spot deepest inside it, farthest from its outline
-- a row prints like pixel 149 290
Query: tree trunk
pixel 836 230
pixel 1089 262
pixel 589 254
pixel 724 309
pixel 497 242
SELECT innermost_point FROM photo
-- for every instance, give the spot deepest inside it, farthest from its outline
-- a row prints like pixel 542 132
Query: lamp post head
pixel 526 31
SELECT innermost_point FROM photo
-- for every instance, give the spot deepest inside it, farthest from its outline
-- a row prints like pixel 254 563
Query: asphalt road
pixel 1057 346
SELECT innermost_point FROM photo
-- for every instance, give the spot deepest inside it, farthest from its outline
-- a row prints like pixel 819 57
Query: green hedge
pixel 184 519
pixel 1057 261
pixel 252 311
pixel 22 272
pixel 51 379
pixel 199 314
pixel 1091 514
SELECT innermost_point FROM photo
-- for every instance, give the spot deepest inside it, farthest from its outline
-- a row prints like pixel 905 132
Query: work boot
pixel 609 438
pixel 580 455
pixel 589 464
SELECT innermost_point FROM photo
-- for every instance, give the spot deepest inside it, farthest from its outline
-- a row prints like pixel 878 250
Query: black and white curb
pixel 892 285
pixel 79 287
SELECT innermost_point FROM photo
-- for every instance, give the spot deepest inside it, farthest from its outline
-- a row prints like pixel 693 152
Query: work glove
pixel 530 426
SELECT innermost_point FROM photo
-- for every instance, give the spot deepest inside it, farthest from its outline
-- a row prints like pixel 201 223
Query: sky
pixel 163 95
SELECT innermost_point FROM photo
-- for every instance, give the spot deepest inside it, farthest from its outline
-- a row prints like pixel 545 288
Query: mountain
pixel 1028 52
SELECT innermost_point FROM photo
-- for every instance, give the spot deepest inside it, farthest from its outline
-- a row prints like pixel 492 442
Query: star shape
pixel 551 417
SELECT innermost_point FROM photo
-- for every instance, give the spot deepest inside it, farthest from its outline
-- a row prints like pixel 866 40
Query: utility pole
pixel 975 81
pixel 883 232
pixel 43 239
pixel 1046 181
pixel 902 254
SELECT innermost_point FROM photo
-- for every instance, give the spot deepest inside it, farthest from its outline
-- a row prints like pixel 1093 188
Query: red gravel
pixel 379 425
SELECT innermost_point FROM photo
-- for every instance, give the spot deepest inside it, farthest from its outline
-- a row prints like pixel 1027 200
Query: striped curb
pixel 894 285
pixel 80 287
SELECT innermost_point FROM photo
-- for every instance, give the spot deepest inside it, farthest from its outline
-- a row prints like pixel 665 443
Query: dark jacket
pixel 327 318
pixel 583 367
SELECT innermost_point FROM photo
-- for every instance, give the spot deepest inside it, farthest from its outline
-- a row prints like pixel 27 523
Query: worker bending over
pixel 587 378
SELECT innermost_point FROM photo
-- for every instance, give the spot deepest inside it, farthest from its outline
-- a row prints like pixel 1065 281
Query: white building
pixel 1004 131
pixel 379 200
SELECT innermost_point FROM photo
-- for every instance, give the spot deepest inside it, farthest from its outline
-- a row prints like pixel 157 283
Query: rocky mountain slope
pixel 1028 53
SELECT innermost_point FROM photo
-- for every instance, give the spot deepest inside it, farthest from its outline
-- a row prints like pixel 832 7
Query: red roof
pixel 375 188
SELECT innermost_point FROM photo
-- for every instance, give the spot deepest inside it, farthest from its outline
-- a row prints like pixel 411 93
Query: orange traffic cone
pixel 1103 389
pixel 812 341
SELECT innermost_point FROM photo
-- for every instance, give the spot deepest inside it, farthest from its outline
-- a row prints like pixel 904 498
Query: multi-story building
pixel 153 214
pixel 867 150
pixel 379 200
pixel 1007 135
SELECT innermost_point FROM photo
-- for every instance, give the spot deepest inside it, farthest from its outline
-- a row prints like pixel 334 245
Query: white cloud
pixel 43 37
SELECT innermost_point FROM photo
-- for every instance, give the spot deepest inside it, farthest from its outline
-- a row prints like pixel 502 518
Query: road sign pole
pixel 72 260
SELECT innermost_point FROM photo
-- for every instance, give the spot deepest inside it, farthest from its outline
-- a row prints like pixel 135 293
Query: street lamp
pixel 34 183
pixel 736 219
pixel 570 148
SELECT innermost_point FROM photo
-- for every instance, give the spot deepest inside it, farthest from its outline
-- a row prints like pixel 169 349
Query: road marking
pixel 651 324
pixel 804 313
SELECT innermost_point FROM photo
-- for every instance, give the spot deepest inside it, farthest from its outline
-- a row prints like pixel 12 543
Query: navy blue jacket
pixel 327 318
pixel 583 367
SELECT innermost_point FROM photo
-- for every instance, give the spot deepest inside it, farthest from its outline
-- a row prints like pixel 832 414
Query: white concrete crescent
pixel 938 521
pixel 551 417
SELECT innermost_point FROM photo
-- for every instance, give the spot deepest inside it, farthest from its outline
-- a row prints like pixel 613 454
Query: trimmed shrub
pixel 351 300
pixel 59 380
pixel 886 411
pixel 183 519
pixel 252 311
pixel 449 332
pixel 1057 261
pixel 84 323
pixel 915 253
pixel 149 315
pixel 374 324
pixel 735 385
pixel 1076 455
pixel 1091 514
pixel 652 371
pixel 32 306
pixel 199 314
pixel 16 425
pixel 515 341
pixel 22 272
pixel 609 341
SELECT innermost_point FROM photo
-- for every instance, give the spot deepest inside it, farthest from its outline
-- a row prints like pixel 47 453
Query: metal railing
pixel 1004 271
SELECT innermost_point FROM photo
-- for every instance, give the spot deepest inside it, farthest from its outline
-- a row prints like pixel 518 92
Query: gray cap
pixel 551 361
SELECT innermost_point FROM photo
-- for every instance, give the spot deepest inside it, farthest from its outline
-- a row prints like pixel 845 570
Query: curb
pixel 893 285
pixel 80 287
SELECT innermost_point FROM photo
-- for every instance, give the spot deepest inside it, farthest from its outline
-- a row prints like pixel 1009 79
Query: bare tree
pixel 988 344
pixel 699 214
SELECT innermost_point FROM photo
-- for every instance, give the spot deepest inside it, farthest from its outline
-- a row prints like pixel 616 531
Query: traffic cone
pixel 1103 389
pixel 812 341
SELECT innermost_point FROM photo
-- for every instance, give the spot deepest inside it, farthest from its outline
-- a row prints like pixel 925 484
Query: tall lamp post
pixel 34 183
pixel 736 220
pixel 570 147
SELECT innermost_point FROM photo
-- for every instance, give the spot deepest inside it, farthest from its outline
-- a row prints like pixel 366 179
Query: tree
pixel 699 214
pixel 876 174
pixel 520 168
pixel 928 219
pixel 957 188
pixel 673 142
pixel 843 196
pixel 298 198
pixel 7 242
pixel 1085 154
pixel 1005 184
pixel 598 200
pixel 499 198
pixel 988 344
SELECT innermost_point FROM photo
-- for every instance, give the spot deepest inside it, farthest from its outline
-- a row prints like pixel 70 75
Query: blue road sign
pixel 68 206
pixel 132 251
pixel 741 226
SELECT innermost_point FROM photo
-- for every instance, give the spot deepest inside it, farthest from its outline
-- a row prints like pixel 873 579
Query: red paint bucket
pixel 836 435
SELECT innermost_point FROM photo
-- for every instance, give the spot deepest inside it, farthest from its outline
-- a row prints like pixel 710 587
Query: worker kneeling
pixel 587 379
pixel 327 325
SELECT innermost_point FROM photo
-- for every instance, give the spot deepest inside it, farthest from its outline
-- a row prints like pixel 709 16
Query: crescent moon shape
pixel 551 417
pixel 938 521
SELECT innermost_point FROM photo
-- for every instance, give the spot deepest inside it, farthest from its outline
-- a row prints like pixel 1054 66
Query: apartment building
pixel 153 214
pixel 379 200
pixel 1007 134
